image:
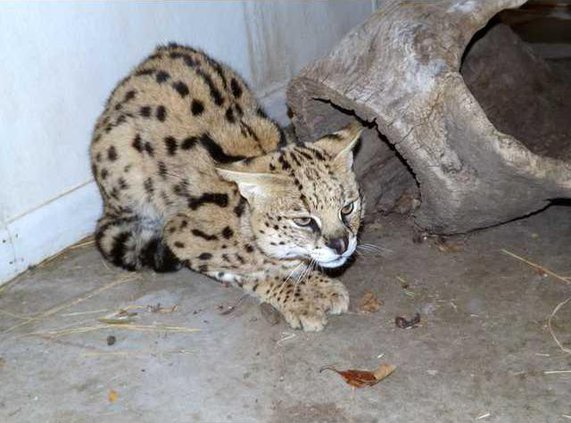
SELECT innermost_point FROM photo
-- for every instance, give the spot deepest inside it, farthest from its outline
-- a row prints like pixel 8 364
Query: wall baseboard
pixel 47 230
pixel 50 228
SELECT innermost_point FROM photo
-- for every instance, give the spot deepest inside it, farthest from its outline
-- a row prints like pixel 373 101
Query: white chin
pixel 333 263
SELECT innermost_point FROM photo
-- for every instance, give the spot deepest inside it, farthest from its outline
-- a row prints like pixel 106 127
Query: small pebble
pixel 111 340
pixel 270 314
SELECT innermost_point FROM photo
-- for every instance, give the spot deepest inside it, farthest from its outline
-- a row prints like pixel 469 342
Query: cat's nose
pixel 339 245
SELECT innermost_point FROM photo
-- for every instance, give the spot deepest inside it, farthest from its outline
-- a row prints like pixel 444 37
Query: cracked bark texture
pixel 399 73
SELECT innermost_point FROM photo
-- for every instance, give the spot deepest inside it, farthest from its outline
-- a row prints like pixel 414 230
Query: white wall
pixel 59 61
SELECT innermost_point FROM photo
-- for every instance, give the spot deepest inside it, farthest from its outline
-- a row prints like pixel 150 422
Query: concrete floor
pixel 481 350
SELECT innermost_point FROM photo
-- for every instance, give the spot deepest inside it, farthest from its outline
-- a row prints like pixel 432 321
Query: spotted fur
pixel 194 174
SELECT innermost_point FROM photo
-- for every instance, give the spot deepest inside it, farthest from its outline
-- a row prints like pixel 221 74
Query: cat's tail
pixel 132 243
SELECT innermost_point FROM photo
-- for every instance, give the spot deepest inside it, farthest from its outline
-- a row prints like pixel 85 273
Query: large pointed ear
pixel 255 185
pixel 340 144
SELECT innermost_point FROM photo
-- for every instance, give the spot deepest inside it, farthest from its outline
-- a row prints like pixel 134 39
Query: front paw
pixel 332 296
pixel 308 316
pixel 322 297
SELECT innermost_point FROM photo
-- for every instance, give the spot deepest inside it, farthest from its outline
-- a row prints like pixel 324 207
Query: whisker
pixel 375 247
pixel 290 275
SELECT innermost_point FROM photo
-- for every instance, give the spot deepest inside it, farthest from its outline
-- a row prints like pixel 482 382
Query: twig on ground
pixel 555 372
pixel 73 302
pixel 128 353
pixel 537 266
pixel 139 328
pixel 549 325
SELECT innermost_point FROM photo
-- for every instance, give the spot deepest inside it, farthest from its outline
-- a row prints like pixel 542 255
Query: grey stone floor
pixel 481 351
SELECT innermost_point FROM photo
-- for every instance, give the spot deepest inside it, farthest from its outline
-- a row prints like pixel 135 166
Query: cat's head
pixel 304 199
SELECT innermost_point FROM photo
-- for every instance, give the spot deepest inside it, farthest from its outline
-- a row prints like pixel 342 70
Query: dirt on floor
pixel 187 349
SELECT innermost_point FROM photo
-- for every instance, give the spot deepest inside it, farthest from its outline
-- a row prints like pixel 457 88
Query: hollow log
pixel 399 73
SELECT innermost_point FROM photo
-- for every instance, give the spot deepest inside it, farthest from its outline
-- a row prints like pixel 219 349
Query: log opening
pixel 400 72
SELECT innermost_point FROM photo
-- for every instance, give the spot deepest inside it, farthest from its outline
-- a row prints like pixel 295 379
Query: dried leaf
pixel 112 395
pixel 162 310
pixel 446 246
pixel 383 371
pixel 362 378
pixel 369 303
pixel 119 317
pixel 403 323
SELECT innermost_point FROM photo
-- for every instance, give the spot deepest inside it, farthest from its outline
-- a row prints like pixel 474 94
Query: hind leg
pixel 132 243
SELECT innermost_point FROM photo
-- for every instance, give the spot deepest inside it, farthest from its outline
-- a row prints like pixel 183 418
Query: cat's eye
pixel 302 221
pixel 348 209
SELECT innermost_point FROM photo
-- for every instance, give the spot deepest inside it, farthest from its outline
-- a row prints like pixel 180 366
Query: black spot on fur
pixel 220 200
pixel 317 153
pixel 144 72
pixel 230 115
pixel 216 152
pixel 129 95
pixel 162 76
pixel 205 256
pixel 335 137
pixel 171 145
pixel 249 248
pixel 204 235
pixel 285 164
pixel 123 183
pixel 188 143
pixel 239 209
pixel 179 244
pixel 306 155
pixel 236 88
pixel 197 107
pixel 162 169
pixel 98 157
pixel 149 186
pixel 112 153
pixel 181 88
pixel 247 130
pixel 145 111
pixel 104 173
pixel 117 253
pixel 203 268
pixel 189 61
pixel 214 91
pixel 227 232
pixel 137 143
pixel 175 54
pixel 159 257
pixel 219 71
pixel 149 149
pixel 295 158
pixel 161 113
